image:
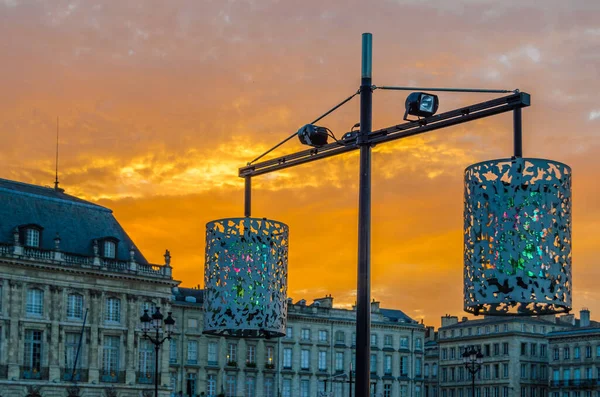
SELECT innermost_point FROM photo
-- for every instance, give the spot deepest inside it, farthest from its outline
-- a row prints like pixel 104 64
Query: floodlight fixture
pixel 421 104
pixel 313 135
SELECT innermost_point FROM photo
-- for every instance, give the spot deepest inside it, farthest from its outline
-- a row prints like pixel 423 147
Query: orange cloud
pixel 161 102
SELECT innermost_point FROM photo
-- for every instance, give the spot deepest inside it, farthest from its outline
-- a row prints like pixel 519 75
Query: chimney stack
pixel 374 306
pixel 584 317
pixel 449 320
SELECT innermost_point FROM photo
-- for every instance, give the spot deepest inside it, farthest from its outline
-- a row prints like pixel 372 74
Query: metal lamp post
pixel 472 359
pixel 154 324
pixel 523 267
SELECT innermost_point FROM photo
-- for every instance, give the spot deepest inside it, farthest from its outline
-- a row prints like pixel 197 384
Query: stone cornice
pixel 89 271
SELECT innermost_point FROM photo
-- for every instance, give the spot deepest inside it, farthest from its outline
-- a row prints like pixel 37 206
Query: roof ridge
pixel 47 193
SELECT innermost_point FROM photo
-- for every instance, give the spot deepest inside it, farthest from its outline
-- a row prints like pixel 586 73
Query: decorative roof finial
pixel 167 258
pixel 57 242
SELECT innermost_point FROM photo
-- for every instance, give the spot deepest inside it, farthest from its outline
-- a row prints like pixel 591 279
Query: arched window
pixel 112 312
pixel 35 302
pixel 75 306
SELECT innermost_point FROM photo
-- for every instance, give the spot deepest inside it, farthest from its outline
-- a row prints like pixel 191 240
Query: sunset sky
pixel 160 102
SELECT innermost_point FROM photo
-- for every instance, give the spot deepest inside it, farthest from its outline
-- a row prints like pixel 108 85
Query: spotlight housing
pixel 421 104
pixel 313 135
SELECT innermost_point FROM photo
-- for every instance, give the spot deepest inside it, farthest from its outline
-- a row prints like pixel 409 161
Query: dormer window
pixel 109 249
pixel 31 235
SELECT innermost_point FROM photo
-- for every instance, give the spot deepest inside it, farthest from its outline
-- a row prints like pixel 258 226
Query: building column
pixel 55 312
pixel 163 364
pixel 95 314
pixel 260 360
pixel 15 310
pixel 130 341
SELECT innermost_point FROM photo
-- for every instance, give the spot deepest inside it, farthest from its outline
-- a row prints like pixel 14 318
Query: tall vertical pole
pixel 79 346
pixel 473 383
pixel 350 381
pixel 363 307
pixel 157 344
pixel 518 132
pixel 247 196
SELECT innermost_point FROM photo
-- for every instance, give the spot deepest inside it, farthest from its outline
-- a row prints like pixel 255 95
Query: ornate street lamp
pixel 517 248
pixel 472 360
pixel 245 278
pixel 155 323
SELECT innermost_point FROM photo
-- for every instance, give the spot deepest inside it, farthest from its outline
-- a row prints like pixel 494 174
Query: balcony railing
pixel 580 383
pixel 116 265
pixel 112 376
pixel 81 375
pixel 146 378
pixel 5 249
pixel 34 373
pixel 38 253
pixel 67 259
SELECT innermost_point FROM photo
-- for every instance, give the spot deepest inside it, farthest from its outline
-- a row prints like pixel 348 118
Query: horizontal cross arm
pixel 447 119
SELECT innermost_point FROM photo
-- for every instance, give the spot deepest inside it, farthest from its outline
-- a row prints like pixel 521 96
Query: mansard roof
pixel 397 316
pixel 78 222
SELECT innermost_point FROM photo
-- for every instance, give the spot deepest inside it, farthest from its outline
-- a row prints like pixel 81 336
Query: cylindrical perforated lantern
pixel 245 278
pixel 517 226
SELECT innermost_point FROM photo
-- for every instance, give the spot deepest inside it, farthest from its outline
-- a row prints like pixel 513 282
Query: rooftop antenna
pixel 56 175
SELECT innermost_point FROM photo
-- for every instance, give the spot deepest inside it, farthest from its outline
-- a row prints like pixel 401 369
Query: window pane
pixel 211 385
pixel 113 310
pixel 192 353
pixel 33 350
pixel 109 249
pixel 212 353
pixel 286 388
pixel 146 361
pixel 75 306
pixel 251 354
pixel 231 385
pixel 35 302
pixel 173 350
pixel 32 237
pixel 250 386
pixel 71 346
pixel 269 388
pixel 110 355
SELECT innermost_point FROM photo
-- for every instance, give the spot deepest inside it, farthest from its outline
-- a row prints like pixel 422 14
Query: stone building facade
pixel 575 358
pixel 515 356
pixel 67 269
pixel 432 354
pixel 73 287
pixel 313 359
